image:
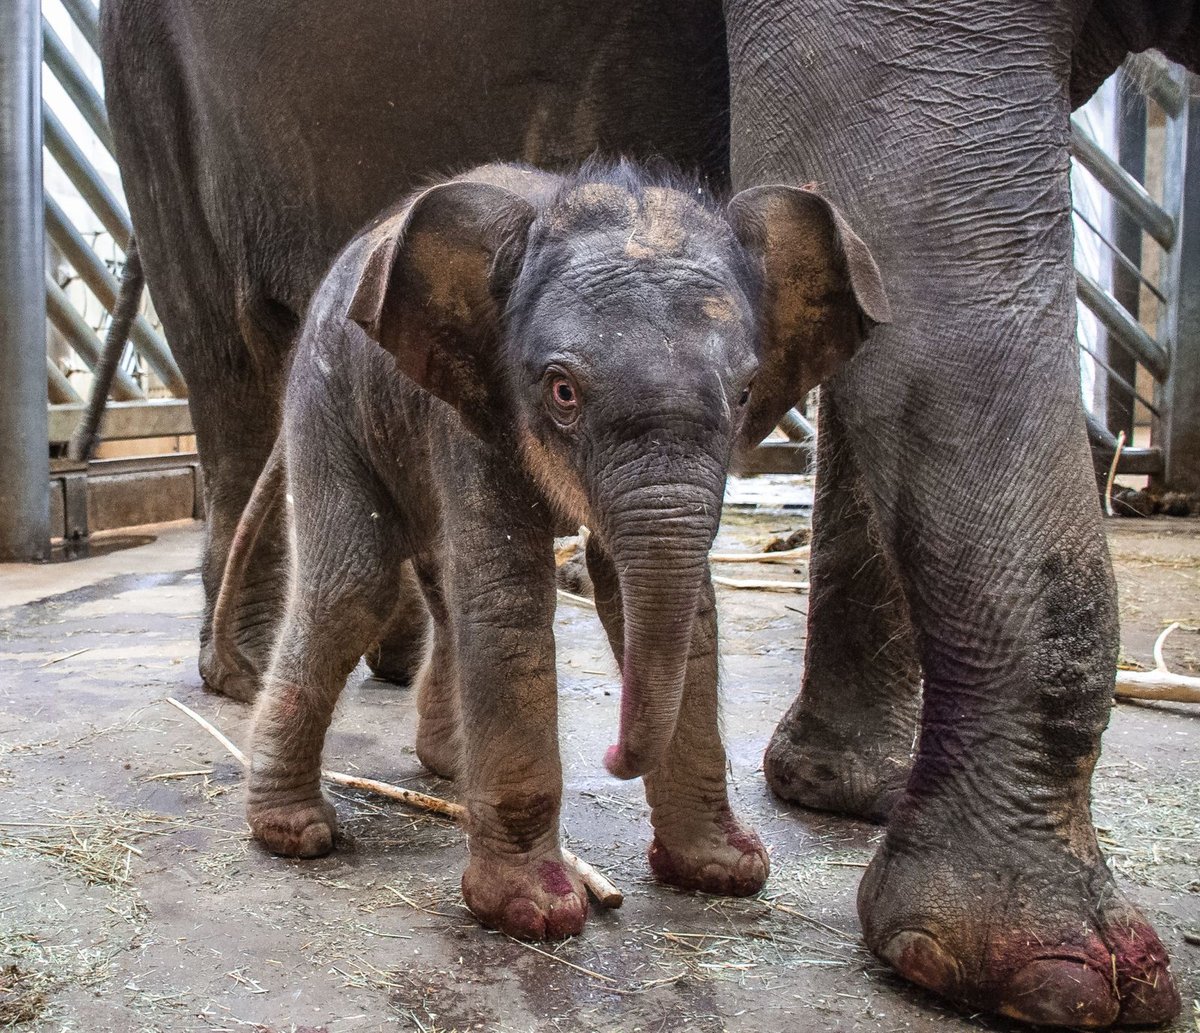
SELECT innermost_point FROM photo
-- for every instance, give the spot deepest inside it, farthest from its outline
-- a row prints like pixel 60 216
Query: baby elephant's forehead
pixel 659 222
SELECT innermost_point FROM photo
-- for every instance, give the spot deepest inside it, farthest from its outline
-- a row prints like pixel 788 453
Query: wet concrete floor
pixel 133 899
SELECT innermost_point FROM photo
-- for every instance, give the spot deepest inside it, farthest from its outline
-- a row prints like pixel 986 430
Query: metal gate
pixel 1159 369
pixel 40 409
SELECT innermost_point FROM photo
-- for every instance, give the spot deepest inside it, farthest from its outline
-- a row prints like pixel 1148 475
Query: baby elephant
pixel 509 355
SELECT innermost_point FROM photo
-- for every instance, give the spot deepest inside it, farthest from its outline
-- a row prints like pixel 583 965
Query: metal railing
pixel 1170 354
pixel 42 496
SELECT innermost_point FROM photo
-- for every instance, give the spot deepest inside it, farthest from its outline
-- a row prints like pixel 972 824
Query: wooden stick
pixel 784 556
pixel 578 600
pixel 606 894
pixel 1161 683
pixel 1158 685
pixel 1112 474
pixel 212 730
pixel 418 801
pixel 768 586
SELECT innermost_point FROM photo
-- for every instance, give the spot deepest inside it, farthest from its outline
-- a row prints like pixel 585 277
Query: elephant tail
pixel 129 299
pixel 268 490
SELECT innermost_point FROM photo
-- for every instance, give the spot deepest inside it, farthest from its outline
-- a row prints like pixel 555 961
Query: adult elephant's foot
pixel 440 744
pixel 822 770
pixel 1045 938
pixel 541 899
pixel 720 856
pixel 304 827
pixel 243 686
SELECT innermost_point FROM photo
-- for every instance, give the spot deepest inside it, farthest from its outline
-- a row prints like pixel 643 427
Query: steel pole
pixel 1131 153
pixel 24 429
pixel 1179 396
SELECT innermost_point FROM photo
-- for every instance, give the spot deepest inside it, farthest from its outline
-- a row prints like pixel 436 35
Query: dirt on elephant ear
pixel 22 995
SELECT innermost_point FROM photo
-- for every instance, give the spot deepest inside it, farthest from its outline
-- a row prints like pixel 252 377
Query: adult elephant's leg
pixel 990 886
pixel 846 743
pixel 398 654
pixel 230 347
pixel 942 132
pixel 699 843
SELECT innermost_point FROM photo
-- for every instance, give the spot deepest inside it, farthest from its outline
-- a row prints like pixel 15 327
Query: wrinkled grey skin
pixel 255 138
pixel 956 534
pixel 940 127
pixel 512 355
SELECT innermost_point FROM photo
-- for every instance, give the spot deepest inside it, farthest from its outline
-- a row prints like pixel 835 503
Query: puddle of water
pixel 62 550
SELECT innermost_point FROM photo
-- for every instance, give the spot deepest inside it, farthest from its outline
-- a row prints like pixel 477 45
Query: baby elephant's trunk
pixel 661 553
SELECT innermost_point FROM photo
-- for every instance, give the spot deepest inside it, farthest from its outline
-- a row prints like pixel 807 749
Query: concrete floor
pixel 134 900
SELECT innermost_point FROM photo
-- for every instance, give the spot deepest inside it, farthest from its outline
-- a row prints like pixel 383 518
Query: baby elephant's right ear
pixel 429 292
pixel 821 294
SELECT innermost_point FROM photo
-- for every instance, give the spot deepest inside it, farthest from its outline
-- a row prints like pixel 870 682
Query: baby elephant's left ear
pixel 431 288
pixel 821 294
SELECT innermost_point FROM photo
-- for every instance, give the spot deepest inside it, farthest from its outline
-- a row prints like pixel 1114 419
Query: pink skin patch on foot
pixel 554 879
pixel 738 836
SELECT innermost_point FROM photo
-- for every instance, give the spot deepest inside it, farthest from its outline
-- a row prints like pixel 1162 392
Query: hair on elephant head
pixel 624 334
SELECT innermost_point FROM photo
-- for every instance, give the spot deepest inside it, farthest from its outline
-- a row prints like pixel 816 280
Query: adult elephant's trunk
pixel 659 545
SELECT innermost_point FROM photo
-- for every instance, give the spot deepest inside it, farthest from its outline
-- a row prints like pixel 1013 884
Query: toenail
pixel 919 957
pixel 1059 992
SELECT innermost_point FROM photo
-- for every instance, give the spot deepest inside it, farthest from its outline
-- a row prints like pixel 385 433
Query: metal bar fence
pixel 24 459
pixel 1171 355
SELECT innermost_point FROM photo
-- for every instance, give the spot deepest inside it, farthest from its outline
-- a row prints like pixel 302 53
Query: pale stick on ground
pixel 606 894
pixel 1112 475
pixel 786 556
pixel 762 586
pixel 1161 683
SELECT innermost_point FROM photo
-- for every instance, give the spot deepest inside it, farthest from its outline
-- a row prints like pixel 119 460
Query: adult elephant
pixel 255 138
pixel 957 542
pixel 957 538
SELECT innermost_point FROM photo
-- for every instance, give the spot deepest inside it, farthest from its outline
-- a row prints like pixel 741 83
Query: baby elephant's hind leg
pixel 342 586
pixel 397 655
pixel 439 711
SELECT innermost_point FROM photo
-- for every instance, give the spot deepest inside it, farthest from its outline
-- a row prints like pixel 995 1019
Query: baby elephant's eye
pixel 562 396
pixel 745 395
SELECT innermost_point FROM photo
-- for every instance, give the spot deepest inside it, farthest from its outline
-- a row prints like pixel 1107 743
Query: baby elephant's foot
pixel 294 828
pixel 542 899
pixel 718 856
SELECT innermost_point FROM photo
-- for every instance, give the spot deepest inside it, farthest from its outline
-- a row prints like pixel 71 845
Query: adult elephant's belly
pixel 255 138
pixel 311 117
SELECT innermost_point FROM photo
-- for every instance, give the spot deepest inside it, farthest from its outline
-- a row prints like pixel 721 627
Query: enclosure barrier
pixel 83 495
pixel 1171 356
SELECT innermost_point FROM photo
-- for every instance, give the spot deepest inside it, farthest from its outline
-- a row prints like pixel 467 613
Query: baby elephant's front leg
pixel 285 808
pixel 503 601
pixel 333 615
